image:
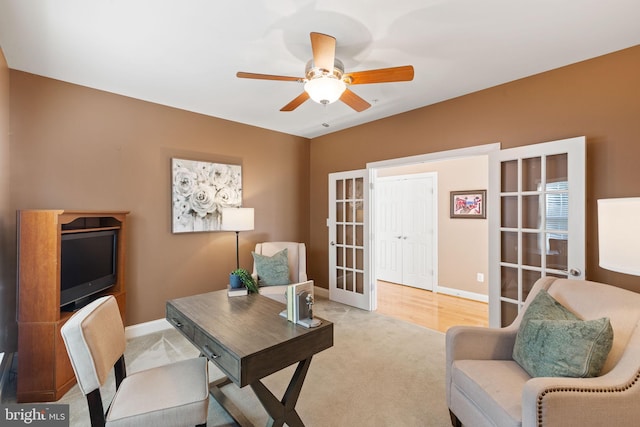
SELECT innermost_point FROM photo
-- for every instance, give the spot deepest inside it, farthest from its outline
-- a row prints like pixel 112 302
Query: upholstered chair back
pixel 296 253
pixel 591 300
pixel 95 340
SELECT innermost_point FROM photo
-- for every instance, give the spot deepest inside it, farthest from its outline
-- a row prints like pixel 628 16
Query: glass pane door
pixel 348 231
pixel 539 231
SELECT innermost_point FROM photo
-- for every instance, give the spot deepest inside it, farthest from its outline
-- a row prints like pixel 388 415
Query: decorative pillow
pixel 553 342
pixel 272 270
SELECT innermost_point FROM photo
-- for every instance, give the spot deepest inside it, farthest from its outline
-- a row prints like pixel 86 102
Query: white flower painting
pixel 199 192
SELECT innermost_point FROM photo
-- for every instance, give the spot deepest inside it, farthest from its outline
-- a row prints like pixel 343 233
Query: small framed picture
pixel 468 204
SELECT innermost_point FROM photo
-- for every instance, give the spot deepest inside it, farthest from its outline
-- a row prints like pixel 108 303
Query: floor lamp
pixel 619 235
pixel 237 219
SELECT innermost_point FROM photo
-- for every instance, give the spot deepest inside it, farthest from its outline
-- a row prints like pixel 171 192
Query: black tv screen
pixel 88 264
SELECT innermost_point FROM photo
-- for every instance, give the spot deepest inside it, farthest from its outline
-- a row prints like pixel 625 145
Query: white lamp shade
pixel 237 219
pixel 325 89
pixel 619 234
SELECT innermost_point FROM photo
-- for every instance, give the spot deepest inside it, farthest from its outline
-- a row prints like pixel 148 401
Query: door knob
pixel 575 272
pixel 332 243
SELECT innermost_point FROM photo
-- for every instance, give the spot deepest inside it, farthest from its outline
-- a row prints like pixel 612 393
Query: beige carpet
pixel 380 372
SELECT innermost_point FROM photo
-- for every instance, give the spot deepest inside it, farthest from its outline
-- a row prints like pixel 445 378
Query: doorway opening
pixel 454 274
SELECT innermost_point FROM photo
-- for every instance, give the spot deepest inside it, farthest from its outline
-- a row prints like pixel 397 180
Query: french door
pixel 349 239
pixel 536 214
pixel 536 222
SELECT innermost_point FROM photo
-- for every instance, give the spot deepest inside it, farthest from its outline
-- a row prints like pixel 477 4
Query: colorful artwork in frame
pixel 199 192
pixel 468 204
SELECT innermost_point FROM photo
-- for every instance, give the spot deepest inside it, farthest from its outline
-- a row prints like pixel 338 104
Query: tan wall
pixel 462 243
pixel 73 147
pixel 8 332
pixel 79 148
pixel 597 98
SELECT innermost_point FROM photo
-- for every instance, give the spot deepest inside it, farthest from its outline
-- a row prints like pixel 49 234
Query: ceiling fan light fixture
pixel 325 81
pixel 325 89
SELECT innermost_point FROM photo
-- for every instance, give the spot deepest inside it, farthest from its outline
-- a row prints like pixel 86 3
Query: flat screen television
pixel 87 265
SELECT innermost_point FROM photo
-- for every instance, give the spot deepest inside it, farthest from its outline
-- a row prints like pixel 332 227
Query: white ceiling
pixel 185 53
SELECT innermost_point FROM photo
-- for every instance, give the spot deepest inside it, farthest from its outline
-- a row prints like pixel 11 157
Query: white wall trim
pixel 440 155
pixel 407 176
pixel 463 294
pixel 321 292
pixel 146 328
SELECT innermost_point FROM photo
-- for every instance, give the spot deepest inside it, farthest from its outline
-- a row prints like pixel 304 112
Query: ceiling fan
pixel 325 80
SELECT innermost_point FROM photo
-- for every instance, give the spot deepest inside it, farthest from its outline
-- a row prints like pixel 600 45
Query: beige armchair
pixel 172 395
pixel 486 387
pixel 297 257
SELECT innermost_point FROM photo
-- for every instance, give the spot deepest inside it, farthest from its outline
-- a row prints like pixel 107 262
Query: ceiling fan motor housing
pixel 324 86
pixel 327 83
pixel 312 72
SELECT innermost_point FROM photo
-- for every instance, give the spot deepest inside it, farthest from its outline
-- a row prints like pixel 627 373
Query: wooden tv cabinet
pixel 44 371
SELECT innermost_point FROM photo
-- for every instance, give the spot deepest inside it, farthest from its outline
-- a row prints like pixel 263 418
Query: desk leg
pixel 281 412
pixel 226 403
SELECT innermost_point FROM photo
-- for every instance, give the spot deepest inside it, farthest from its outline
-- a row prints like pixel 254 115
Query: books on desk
pixel 295 307
pixel 236 292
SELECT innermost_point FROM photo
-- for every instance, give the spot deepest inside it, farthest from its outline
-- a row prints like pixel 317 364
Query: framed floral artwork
pixel 199 191
pixel 468 204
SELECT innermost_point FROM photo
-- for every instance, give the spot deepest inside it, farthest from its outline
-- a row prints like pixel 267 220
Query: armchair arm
pixel 477 343
pixel 473 342
pixel 580 402
pixel 610 399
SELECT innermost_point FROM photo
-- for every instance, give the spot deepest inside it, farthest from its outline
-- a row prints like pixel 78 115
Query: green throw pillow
pixel 553 342
pixel 272 270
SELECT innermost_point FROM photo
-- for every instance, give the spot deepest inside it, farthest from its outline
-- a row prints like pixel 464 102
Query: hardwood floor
pixel 434 311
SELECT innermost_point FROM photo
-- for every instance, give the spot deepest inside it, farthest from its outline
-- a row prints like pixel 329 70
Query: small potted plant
pixel 241 277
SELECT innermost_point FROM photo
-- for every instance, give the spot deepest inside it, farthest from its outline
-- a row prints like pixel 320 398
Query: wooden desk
pixel 248 340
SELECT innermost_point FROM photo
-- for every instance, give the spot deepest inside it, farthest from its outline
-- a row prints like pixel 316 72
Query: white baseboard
pixel 321 292
pixel 463 294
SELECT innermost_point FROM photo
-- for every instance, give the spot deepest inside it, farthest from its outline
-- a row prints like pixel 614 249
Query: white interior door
pixel 536 222
pixel 349 239
pixel 418 226
pixel 405 229
pixel 389 231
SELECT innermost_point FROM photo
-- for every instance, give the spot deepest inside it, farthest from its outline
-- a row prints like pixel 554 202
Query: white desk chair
pixel 172 395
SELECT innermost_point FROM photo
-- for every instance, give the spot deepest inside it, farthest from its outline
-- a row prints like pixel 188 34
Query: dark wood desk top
pixel 246 335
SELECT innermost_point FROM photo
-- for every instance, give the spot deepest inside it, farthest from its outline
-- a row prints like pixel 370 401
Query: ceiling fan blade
pixel 296 102
pixel 382 75
pixel 244 75
pixel 354 101
pixel 324 51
